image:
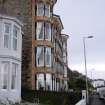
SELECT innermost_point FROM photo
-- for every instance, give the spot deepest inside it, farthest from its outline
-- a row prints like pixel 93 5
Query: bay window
pixel 7 35
pixel 4 74
pixel 14 76
pixel 40 56
pixel 10 36
pixel 43 31
pixel 43 9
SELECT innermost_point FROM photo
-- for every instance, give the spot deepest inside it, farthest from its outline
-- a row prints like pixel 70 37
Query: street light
pixel 86 66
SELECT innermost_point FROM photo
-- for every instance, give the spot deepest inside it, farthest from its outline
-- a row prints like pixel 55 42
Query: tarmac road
pixel 94 100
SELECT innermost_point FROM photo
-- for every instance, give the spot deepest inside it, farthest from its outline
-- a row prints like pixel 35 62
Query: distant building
pixel 98 83
pixel 10 58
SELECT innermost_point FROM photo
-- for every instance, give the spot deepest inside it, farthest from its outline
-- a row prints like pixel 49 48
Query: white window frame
pixel 7 34
pixel 15 38
pixel 2 74
pixel 16 75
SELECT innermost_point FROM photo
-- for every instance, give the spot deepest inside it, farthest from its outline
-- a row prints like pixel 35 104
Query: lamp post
pixel 84 38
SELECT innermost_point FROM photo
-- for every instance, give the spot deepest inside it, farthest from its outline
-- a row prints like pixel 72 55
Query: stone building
pixel 44 47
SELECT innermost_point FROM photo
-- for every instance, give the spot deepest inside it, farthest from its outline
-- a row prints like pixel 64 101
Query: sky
pixel 82 18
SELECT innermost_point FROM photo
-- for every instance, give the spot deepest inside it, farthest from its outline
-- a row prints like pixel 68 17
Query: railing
pixel 51 97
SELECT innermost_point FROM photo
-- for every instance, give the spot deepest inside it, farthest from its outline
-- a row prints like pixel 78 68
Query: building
pixel 10 58
pixel 44 47
pixel 98 83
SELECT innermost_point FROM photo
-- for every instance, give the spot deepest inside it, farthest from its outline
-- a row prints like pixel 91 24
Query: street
pixel 94 100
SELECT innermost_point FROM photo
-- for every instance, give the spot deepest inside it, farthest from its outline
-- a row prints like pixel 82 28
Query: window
pixel 7 33
pixel 48 57
pixel 47 10
pixel 40 30
pixel 47 31
pixel 4 75
pixel 48 82
pixel 14 76
pixel 43 10
pixel 43 31
pixel 40 82
pixel 15 36
pixel 40 56
pixel 65 72
pixel 40 9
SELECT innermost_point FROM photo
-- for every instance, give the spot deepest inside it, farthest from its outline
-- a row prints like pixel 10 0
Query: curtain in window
pixel 47 31
pixel 40 9
pixel 40 30
pixel 48 82
pixel 40 82
pixel 40 56
pixel 47 10
pixel 48 57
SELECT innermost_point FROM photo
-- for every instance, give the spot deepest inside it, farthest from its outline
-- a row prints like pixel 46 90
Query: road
pixel 96 101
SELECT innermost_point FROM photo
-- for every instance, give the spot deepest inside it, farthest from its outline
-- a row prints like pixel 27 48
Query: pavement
pixel 94 100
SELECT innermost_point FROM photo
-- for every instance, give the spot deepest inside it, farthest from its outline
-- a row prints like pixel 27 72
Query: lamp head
pixel 90 37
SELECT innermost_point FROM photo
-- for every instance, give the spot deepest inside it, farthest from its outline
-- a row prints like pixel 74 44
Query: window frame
pixel 7 34
pixel 37 55
pixel 16 76
pixel 46 31
pixel 15 38
pixel 44 57
pixel 49 50
pixel 46 10
pixel 2 77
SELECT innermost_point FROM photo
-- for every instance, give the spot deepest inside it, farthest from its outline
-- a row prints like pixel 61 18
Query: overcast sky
pixel 84 18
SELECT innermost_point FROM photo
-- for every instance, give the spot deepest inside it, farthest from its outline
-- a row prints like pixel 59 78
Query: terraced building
pixel 44 47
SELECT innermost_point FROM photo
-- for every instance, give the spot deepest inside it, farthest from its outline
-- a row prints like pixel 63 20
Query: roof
pixel 2 16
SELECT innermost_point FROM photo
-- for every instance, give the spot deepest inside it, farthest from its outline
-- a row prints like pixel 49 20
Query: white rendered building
pixel 10 58
pixel 98 83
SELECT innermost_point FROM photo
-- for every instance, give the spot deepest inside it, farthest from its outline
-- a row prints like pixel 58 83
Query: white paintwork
pixel 98 83
pixel 81 102
pixel 12 56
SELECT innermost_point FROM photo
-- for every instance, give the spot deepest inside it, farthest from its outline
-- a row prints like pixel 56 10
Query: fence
pixel 51 98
